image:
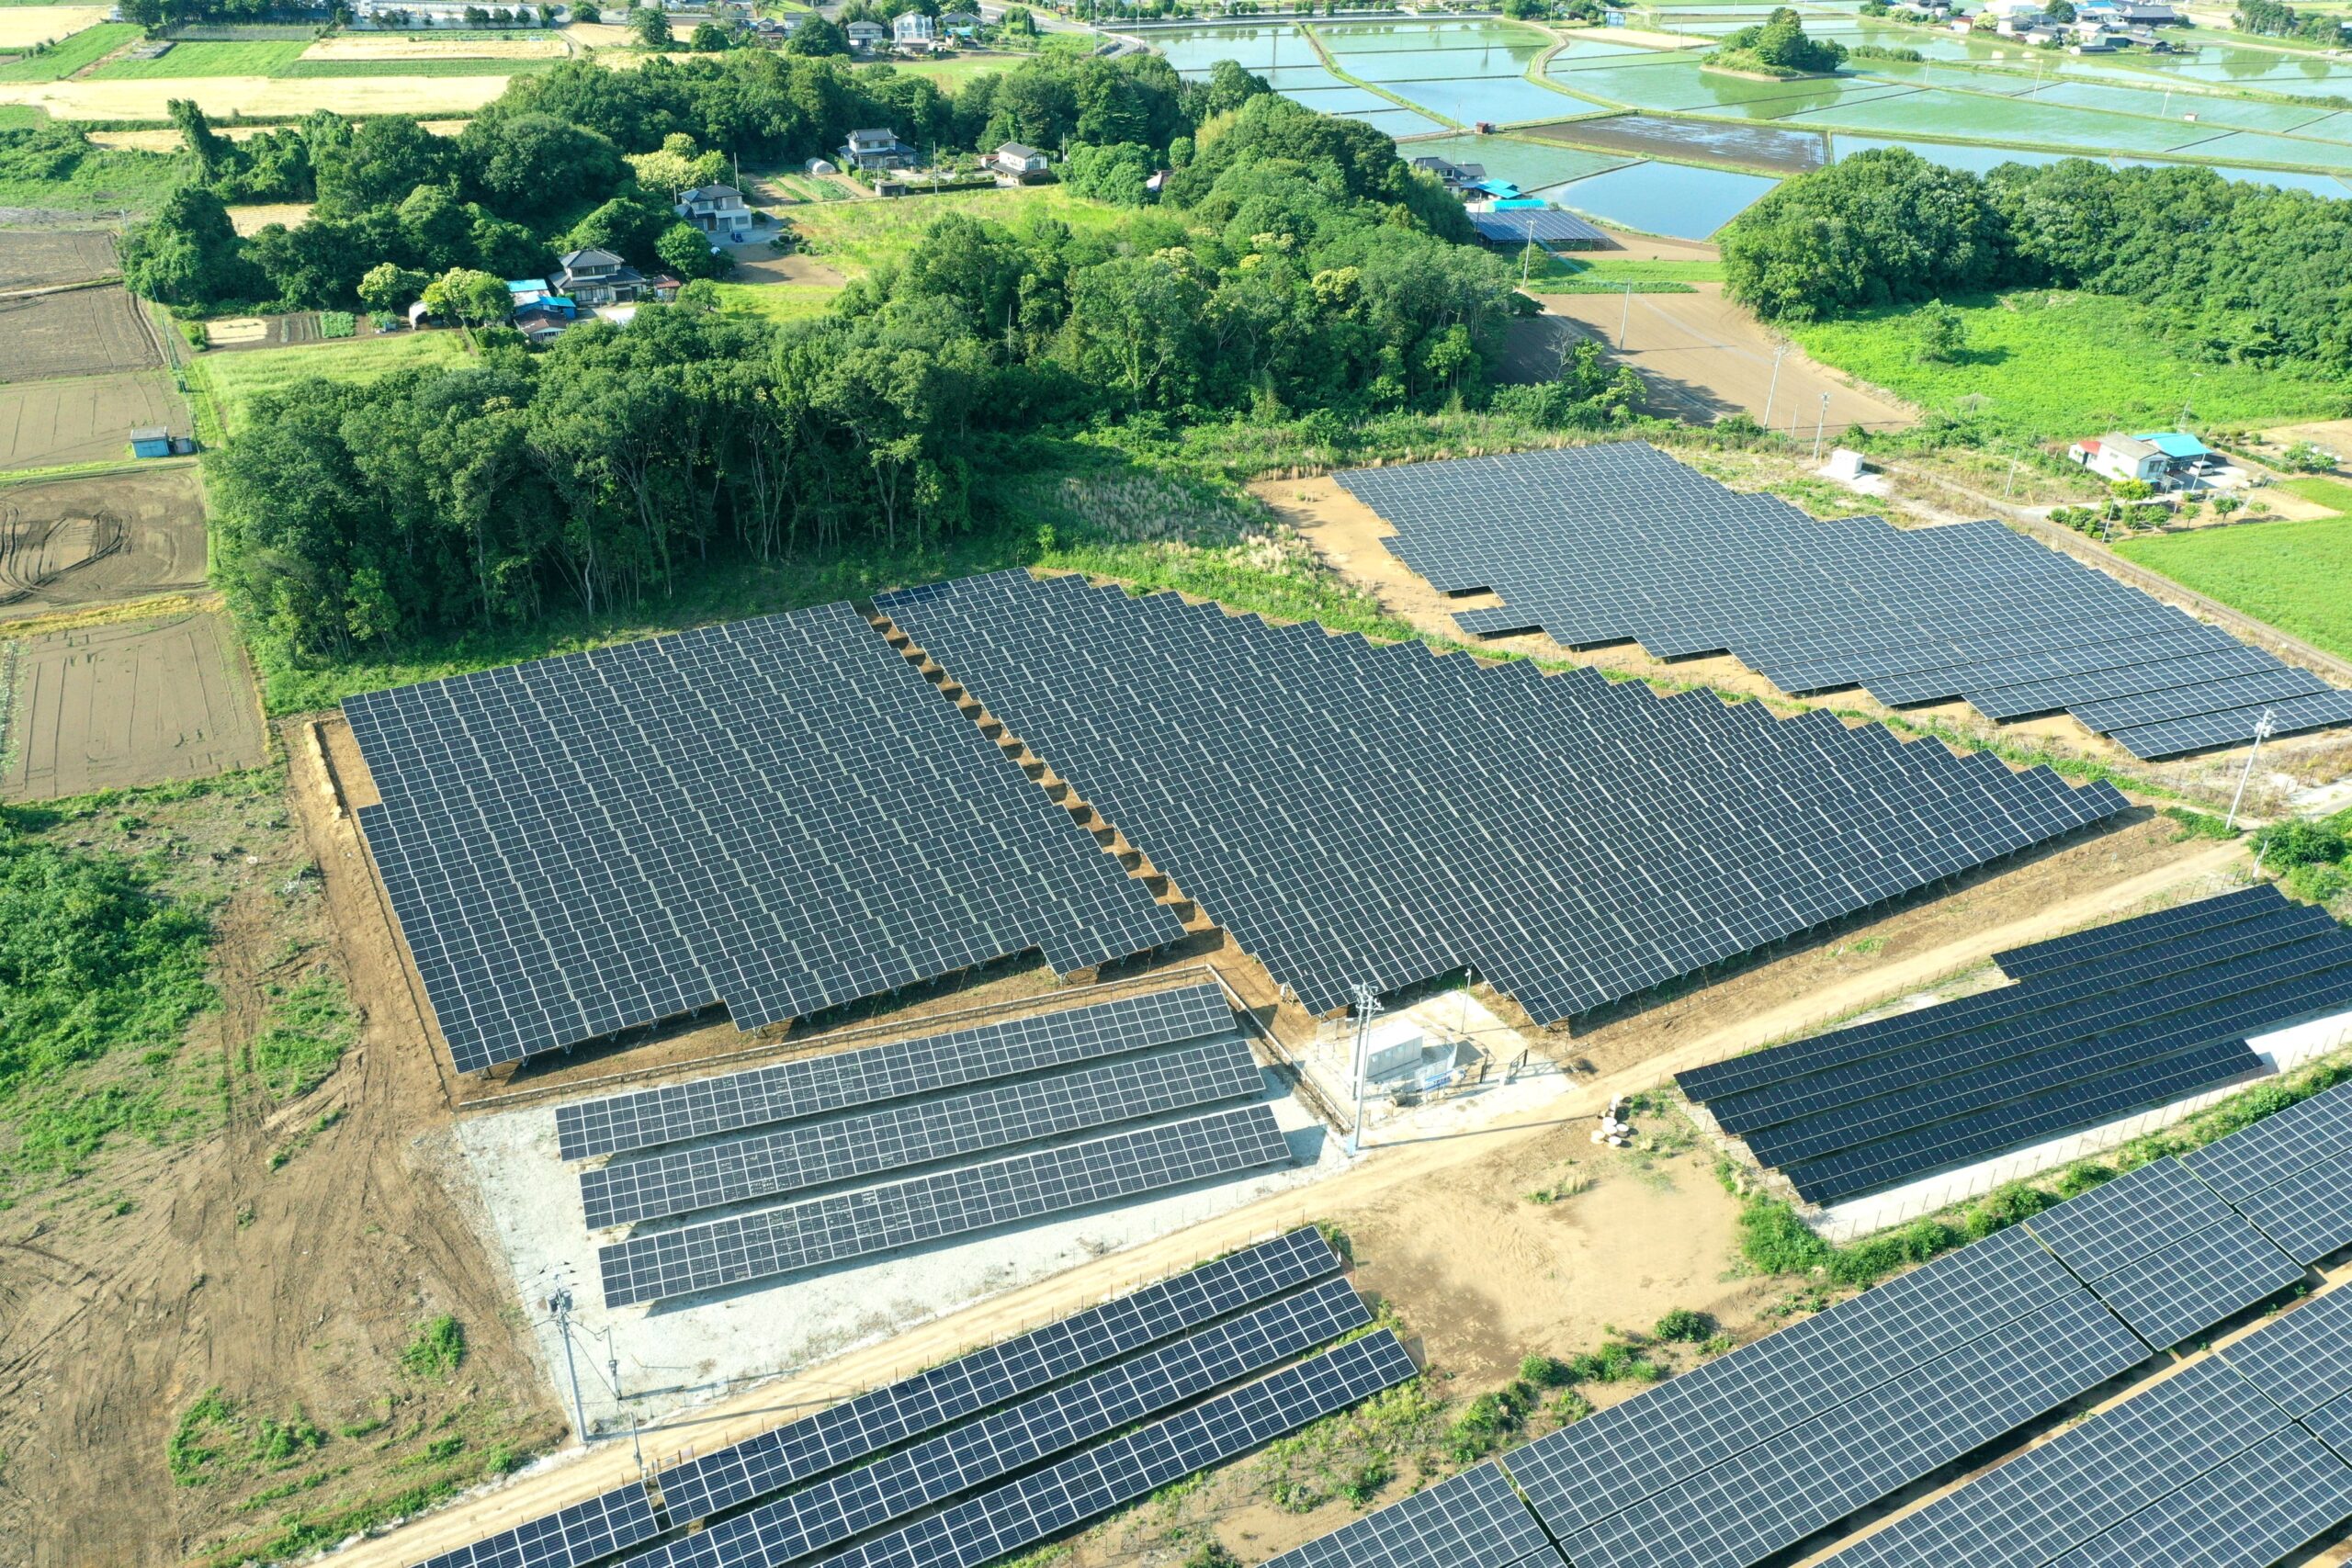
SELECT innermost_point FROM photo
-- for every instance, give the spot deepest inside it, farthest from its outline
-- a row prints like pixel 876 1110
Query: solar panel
pixel 2280 1145
pixel 1773 1495
pixel 1534 226
pixel 585 1532
pixel 2178 737
pixel 1605 1463
pixel 1473 1520
pixel 1044 1504
pixel 812 1086
pixel 2282 1494
pixel 2185 1288
pixel 2309 1215
pixel 778 814
pixel 857 1223
pixel 2165 925
pixel 871 1422
pixel 1575 841
pixel 2333 1423
pixel 2302 1358
pixel 821 1154
pixel 1610 543
pixel 2117 1223
pixel 828 1512
pixel 2274 684
pixel 2062 1493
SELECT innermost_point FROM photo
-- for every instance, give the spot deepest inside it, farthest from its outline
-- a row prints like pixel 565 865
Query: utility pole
pixel 2010 487
pixel 2262 732
pixel 1773 390
pixel 1821 428
pixel 1367 1008
pixel 1627 321
pixel 1528 256
pixel 560 1304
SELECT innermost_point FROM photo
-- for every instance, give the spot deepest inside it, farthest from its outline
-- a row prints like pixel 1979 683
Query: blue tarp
pixel 2175 445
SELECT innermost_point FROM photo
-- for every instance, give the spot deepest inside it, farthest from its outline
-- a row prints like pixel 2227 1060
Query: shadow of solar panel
pixel 2177 738
pixel 2309 1215
pixel 2278 1146
pixel 1606 1464
pixel 1602 543
pixel 585 1532
pixel 2280 1495
pixel 778 814
pixel 2062 1493
pixel 867 1424
pixel 839 1226
pixel 984 1452
pixel 1039 1506
pixel 842 1080
pixel 1472 1520
pixel 2302 1358
pixel 1771 1496
pixel 2185 1288
pixel 1577 842
pixel 2101 943
pixel 824 1153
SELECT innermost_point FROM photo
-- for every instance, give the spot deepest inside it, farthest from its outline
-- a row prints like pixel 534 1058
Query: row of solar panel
pixel 844 1080
pixel 1524 835
pixel 901 1137
pixel 837 1226
pixel 868 1424
pixel 1654 551
pixel 1740 1458
pixel 778 814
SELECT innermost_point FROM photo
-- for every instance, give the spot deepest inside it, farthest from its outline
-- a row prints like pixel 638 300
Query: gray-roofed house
pixel 876 149
pixel 715 209
pixel 1017 162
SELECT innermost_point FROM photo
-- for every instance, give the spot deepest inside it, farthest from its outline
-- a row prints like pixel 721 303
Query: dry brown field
pixel 129 703
pixel 35 258
pixel 71 543
pixel 80 331
pixel 46 424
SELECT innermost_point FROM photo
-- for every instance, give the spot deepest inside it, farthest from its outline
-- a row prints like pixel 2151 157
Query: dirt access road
pixel 1702 357
pixel 1441 1230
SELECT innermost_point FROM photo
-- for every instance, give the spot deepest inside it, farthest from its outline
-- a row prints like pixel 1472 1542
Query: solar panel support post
pixel 1367 1008
pixel 2262 729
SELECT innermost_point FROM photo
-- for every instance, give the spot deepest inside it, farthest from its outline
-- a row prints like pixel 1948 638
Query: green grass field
pixel 483 66
pixel 106 180
pixel 2332 494
pixel 856 236
pixel 2065 365
pixel 207 60
pixel 71 54
pixel 234 377
pixel 778 301
pixel 2290 574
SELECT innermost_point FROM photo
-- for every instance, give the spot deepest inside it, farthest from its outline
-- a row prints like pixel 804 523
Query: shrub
pixel 1545 1371
pixel 1685 1326
pixel 439 1348
pixel 2003 1207
pixel 2287 844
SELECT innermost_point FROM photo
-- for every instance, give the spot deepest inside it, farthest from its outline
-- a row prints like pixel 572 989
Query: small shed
pixel 150 441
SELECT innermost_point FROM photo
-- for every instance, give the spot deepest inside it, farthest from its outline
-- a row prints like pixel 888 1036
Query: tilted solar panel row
pixel 1471 1520
pixel 1576 842
pixel 981 1452
pixel 2303 1358
pixel 869 1423
pixel 841 1080
pixel 2309 1215
pixel 951 1202
pixel 777 815
pixel 820 1153
pixel 2100 943
pixel 2275 684
pixel 2295 716
pixel 2280 1495
pixel 1044 1504
pixel 1607 543
pixel 2280 1145
pixel 585 1532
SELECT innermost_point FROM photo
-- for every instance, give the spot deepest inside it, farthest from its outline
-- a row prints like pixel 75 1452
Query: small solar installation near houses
pixel 2098 1024
pixel 1546 226
pixel 777 815
pixel 1604 543
pixel 1360 814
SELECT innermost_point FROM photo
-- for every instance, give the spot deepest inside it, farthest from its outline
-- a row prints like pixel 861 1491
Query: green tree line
pixel 2236 271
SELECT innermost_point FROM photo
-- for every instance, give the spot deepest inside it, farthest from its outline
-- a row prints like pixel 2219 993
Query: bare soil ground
pixel 129 703
pixel 82 332
pixel 21 26
pixel 284 1262
pixel 32 259
pixel 1703 358
pixel 50 424
pixel 253 217
pixel 54 534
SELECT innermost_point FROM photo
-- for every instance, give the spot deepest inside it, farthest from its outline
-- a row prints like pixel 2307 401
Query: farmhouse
pixel 864 35
pixel 913 33
pixel 876 149
pixel 2168 460
pixel 596 277
pixel 715 209
pixel 1014 161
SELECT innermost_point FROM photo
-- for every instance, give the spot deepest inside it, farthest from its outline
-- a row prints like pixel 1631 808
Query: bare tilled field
pixel 31 259
pixel 45 425
pixel 79 333
pixel 70 543
pixel 129 703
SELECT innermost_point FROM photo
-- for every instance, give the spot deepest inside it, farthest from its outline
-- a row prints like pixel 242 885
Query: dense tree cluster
pixel 2272 20
pixel 1779 43
pixel 2236 270
pixel 594 472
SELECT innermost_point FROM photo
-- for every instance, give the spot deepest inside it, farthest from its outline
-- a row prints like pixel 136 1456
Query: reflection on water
pixel 1675 199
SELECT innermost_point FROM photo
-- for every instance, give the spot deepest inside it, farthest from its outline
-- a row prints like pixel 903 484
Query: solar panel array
pixel 845 1079
pixel 1361 814
pixel 1473 1520
pixel 2291 1173
pixel 2098 1024
pixel 1602 543
pixel 981 1452
pixel 838 1226
pixel 922 1133
pixel 780 815
pixel 585 1532
pixel 1535 225
pixel 1047 1502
